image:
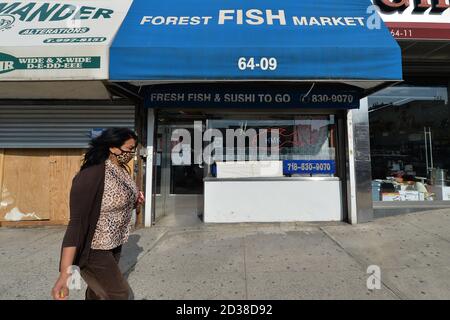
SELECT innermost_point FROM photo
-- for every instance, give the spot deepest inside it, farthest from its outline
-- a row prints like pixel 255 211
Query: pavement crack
pixel 245 268
pixel 397 293
pixel 426 231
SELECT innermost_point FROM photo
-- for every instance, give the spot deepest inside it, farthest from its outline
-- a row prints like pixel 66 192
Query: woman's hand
pixel 60 290
pixel 141 198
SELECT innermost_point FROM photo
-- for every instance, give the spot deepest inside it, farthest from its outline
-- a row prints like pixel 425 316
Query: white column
pixel 351 188
pixel 149 169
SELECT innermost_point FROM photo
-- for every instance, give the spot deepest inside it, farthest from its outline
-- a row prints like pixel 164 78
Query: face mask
pixel 124 157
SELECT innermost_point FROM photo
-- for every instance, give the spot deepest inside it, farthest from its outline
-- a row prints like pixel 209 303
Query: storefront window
pixel 301 145
pixel 410 143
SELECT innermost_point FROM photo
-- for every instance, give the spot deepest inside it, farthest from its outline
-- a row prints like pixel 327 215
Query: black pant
pixel 103 276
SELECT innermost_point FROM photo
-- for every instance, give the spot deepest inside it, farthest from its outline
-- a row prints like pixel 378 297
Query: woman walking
pixel 102 198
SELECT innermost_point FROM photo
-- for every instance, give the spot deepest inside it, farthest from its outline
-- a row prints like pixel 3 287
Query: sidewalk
pixel 262 261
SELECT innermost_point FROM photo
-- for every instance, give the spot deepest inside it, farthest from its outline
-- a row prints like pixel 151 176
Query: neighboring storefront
pixel 54 60
pixel 255 112
pixel 410 123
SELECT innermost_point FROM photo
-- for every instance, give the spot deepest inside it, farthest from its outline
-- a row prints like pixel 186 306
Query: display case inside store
pixel 290 147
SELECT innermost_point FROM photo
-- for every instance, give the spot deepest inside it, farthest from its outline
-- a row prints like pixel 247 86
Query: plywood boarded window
pixel 35 183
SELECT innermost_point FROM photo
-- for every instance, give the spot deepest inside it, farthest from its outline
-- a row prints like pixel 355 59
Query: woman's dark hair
pixel 98 151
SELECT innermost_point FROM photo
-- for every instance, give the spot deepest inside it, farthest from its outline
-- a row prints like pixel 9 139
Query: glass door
pixel 179 184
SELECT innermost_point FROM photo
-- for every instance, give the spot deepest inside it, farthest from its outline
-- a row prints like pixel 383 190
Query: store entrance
pixel 179 184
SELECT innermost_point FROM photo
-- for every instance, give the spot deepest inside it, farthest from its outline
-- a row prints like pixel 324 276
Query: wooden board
pixel 25 183
pixel 39 181
pixel 64 164
pixel 2 194
pixel 2 155
pixel 139 178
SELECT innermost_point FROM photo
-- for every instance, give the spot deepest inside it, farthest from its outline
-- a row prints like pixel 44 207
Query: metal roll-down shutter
pixel 58 126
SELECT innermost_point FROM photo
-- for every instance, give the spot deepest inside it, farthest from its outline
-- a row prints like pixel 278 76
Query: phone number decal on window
pixel 309 167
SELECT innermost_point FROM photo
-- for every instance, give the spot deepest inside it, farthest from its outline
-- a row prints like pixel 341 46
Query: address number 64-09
pixel 253 63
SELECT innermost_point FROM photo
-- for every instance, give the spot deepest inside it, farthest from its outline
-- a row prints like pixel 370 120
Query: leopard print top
pixel 119 199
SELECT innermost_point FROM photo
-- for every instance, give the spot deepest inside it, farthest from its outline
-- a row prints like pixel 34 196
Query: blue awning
pixel 294 40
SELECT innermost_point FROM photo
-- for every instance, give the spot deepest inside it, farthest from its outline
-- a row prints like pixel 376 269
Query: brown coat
pixel 85 204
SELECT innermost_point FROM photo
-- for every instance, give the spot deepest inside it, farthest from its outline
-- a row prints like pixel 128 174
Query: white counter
pixel 272 200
